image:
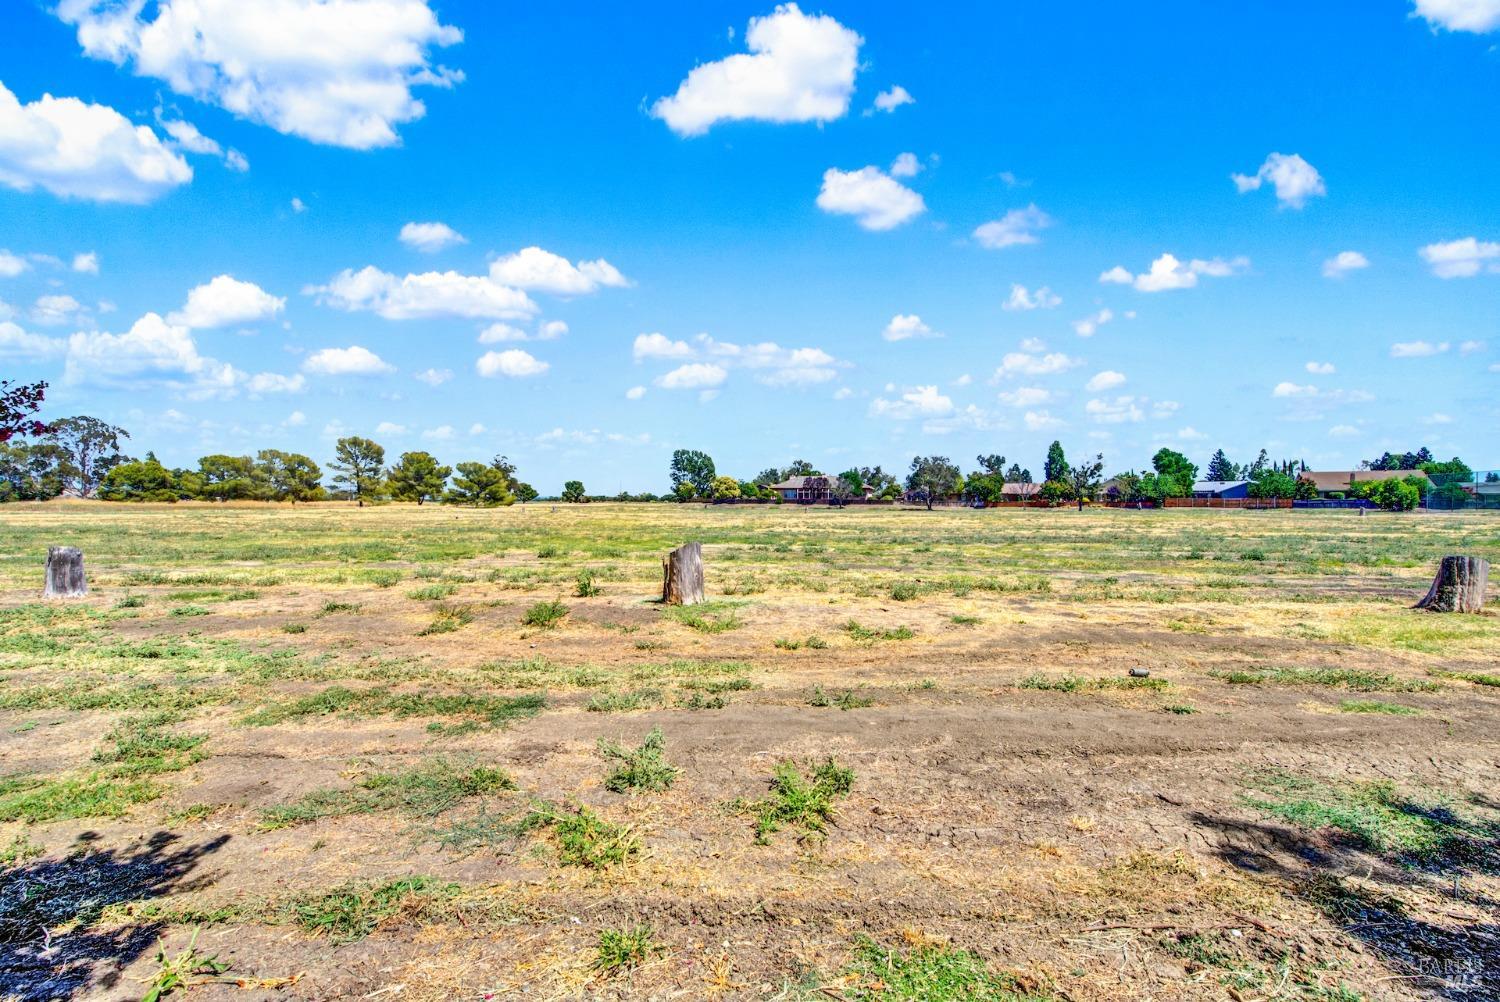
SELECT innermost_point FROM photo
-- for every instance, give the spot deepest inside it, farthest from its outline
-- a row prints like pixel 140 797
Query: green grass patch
pixel 929 972
pixel 545 615
pixel 644 768
pixel 447 618
pixel 624 949
pixel 707 617
pixel 426 790
pixel 847 701
pixel 865 634
pixel 801 801
pixel 620 702
pixel 1353 679
pixel 432 592
pixel 1374 816
pixel 1377 706
pixel 582 837
pixel 353 911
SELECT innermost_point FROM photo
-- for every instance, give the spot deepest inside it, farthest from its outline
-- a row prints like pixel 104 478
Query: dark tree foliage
pixel 1221 468
pixel 17 403
pixel 1056 468
pixel 358 468
pixel 418 477
pixel 992 464
pixel 933 477
pixel 90 449
pixel 694 468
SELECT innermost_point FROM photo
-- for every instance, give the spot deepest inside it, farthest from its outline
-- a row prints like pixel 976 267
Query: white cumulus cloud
pixel 1029 363
pixel 693 376
pixel 351 361
pixel 86 263
pixel 656 345
pixel 800 68
pixel 1343 263
pixel 152 353
pixel 539 270
pixel 1418 349
pixel 895 97
pixel 1089 325
pixel 225 300
pixel 1462 258
pixel 1167 273
pixel 918 401
pixel 429 238
pixel 906 165
pixel 1106 380
pixel 904 326
pixel 1478 16
pixel 78 150
pixel 433 377
pixel 339 72
pixel 1020 299
pixel 1294 179
pixel 1015 228
pixel 635 393
pixel 511 362
pixel 876 200
pixel 1321 368
pixel 428 295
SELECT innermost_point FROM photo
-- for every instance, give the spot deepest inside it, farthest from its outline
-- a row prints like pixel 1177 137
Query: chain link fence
pixel 1457 492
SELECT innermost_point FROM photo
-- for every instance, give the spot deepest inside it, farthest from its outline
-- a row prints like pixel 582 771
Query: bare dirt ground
pixel 1301 802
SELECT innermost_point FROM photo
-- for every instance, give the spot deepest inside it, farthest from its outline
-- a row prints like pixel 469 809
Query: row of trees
pixel 695 477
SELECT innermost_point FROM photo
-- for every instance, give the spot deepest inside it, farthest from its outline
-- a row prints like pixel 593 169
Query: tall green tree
pixel 1175 471
pixel 1017 475
pixel 358 467
pixel 524 492
pixel 933 477
pixel 695 468
pixel 573 492
pixel 290 476
pixel 90 449
pixel 418 477
pixel 140 480
pixel 991 463
pixel 1221 468
pixel 231 478
pixel 482 485
pixel 1084 479
pixel 1056 467
pixel 30 472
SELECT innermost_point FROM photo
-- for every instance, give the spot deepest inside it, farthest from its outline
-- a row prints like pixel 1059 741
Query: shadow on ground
pixel 71 893
pixel 1360 890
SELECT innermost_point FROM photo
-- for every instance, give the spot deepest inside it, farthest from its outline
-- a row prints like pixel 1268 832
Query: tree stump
pixel 1459 586
pixel 682 575
pixel 65 573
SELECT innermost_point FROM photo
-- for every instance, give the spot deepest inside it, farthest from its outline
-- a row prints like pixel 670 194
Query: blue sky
pixel 848 233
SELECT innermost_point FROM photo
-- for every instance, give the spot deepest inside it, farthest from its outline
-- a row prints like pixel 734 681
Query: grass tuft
pixel 643 768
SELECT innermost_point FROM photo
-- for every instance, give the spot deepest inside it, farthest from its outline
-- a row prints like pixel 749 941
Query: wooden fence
pixel 1252 503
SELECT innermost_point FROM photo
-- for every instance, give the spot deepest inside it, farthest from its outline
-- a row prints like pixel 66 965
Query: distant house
pixel 1327 482
pixel 1221 489
pixel 1016 491
pixel 805 489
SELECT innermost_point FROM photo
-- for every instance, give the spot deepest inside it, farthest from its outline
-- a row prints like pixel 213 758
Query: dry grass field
pixel 402 753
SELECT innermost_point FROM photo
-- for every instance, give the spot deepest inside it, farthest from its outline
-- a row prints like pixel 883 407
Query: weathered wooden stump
pixel 1459 586
pixel 682 575
pixel 65 573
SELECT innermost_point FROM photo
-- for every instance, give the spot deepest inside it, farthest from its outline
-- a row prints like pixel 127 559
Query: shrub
pixel 643 768
pixel 794 800
pixel 545 615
